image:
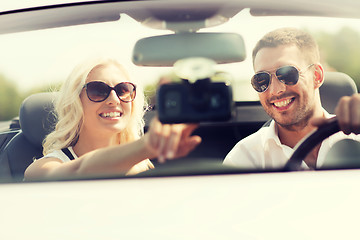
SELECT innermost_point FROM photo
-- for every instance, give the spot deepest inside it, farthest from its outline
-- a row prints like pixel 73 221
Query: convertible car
pixel 195 197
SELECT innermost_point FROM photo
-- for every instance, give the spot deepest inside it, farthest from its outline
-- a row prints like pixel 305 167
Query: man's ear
pixel 318 75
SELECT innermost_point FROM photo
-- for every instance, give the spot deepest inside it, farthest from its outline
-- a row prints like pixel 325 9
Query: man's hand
pixel 168 141
pixel 348 115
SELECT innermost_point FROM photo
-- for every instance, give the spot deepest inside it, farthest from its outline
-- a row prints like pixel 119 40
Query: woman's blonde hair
pixel 69 112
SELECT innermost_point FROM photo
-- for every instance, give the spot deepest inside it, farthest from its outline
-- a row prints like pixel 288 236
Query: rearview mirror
pixel 165 50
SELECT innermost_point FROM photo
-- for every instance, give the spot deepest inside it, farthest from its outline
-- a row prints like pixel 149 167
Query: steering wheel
pixel 302 149
pixel 305 146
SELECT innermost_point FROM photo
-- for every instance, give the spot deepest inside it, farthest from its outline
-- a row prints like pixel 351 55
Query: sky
pixel 40 57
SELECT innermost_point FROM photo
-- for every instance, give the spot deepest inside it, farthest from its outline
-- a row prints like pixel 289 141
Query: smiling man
pixel 287 77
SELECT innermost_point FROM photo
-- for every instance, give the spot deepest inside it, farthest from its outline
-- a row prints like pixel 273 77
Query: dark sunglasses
pixel 288 75
pixel 99 91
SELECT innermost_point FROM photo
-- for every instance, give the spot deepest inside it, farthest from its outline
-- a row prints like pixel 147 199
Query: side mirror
pixel 165 50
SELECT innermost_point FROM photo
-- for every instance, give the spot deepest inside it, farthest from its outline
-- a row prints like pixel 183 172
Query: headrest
pixel 336 85
pixel 36 117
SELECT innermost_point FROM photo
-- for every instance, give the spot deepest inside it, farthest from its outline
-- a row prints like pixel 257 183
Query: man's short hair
pixel 290 36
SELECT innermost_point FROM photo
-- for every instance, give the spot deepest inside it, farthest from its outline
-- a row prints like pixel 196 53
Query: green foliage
pixel 10 99
pixel 149 92
pixel 341 51
pixel 45 88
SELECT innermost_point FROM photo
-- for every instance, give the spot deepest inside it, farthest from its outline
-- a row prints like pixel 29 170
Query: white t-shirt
pixel 263 149
pixel 61 155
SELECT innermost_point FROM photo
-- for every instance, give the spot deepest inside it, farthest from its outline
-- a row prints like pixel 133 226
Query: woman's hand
pixel 168 141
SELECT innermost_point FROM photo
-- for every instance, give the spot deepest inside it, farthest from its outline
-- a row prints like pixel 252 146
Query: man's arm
pixel 348 115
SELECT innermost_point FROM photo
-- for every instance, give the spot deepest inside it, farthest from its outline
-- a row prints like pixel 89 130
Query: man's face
pixel 289 106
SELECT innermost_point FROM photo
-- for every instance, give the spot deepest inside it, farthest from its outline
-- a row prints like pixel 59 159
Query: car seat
pixel 36 120
pixel 335 86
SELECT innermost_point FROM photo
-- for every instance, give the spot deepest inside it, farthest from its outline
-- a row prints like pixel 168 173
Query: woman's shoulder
pixel 59 154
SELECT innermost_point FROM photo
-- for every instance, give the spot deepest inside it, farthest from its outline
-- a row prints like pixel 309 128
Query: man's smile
pixel 283 104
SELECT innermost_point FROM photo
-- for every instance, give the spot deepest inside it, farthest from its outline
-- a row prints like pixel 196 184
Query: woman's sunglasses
pixel 99 91
pixel 288 75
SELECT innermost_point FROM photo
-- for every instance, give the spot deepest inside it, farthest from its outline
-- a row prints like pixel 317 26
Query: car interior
pixel 36 119
pixel 193 197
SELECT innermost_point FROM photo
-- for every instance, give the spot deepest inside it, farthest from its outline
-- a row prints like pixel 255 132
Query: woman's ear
pixel 318 75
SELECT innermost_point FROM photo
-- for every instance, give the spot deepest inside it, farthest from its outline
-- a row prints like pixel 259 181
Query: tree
pixel 341 51
pixel 10 99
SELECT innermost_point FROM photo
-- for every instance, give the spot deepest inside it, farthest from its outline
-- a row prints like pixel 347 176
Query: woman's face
pixel 112 115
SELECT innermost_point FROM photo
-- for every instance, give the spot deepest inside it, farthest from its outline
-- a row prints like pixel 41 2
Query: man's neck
pixel 291 136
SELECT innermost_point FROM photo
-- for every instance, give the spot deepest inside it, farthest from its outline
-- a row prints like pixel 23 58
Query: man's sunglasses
pixel 288 75
pixel 99 91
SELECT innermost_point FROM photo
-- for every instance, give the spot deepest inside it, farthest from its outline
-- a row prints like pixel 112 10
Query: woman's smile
pixel 112 114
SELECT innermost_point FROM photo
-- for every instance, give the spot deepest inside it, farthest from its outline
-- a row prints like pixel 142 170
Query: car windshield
pixel 40 60
pixel 43 58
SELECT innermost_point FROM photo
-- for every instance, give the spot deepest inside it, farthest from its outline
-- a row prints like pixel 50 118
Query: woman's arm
pixel 162 141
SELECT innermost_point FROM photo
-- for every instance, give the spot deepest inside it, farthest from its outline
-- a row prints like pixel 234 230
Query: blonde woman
pixel 100 128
